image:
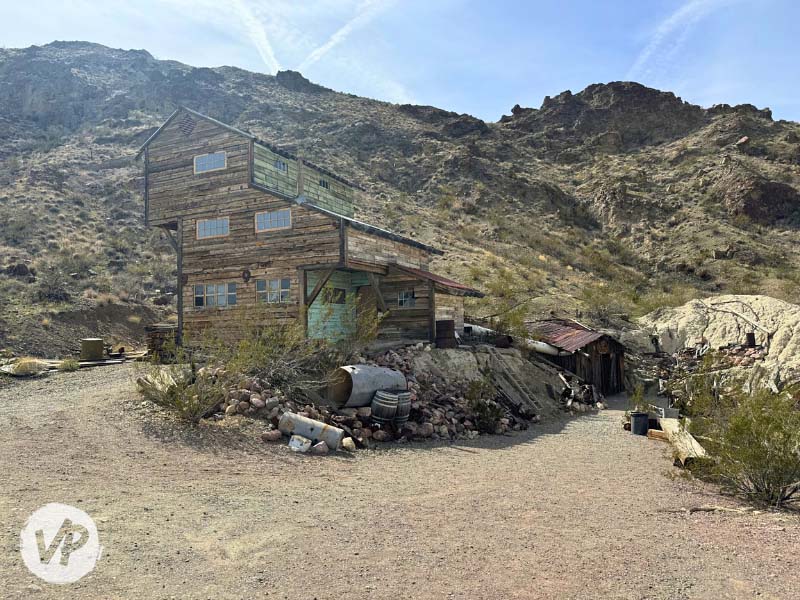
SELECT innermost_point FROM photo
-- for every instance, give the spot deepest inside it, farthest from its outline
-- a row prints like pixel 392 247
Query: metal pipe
pixel 294 424
pixel 355 385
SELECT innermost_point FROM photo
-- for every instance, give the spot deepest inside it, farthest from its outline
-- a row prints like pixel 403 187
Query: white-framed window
pixel 273 219
pixel 324 183
pixel 281 165
pixel 207 295
pixel 216 161
pixel 273 291
pixel 406 299
pixel 211 228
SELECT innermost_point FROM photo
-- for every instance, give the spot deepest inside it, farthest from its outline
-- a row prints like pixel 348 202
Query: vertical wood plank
pixel 432 311
pixel 180 281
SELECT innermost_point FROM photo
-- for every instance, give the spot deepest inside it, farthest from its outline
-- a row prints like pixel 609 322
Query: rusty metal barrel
pixel 354 386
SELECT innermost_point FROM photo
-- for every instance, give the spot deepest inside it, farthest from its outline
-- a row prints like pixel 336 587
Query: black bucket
pixel 640 423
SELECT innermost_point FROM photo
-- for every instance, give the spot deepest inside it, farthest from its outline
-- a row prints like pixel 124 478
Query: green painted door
pixel 332 316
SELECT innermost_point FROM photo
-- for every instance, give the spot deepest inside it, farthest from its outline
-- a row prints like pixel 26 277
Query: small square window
pixel 406 299
pixel 281 165
pixel 323 183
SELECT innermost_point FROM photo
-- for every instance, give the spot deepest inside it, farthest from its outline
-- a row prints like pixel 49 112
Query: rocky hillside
pixel 614 200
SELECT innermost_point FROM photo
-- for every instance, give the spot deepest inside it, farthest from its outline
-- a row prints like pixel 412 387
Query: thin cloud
pixel 258 36
pixel 670 36
pixel 367 11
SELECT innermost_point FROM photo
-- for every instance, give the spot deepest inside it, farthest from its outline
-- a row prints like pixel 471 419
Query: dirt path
pixel 575 509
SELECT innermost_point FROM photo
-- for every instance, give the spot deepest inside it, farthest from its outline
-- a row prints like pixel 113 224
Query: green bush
pixel 180 389
pixel 69 365
pixel 754 442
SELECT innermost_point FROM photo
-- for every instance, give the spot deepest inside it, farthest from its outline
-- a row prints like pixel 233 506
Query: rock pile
pixel 440 408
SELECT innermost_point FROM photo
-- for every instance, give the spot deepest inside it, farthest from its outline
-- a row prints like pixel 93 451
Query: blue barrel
pixel 640 423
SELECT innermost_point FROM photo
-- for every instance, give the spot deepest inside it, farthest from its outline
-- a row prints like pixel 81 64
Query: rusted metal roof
pixel 565 334
pixel 442 284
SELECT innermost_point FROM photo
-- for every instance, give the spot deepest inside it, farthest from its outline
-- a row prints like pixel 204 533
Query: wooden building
pixel 593 356
pixel 252 224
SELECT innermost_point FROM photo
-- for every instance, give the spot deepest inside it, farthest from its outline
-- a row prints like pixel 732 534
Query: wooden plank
pixel 373 281
pixel 687 449
pixel 318 288
pixel 179 334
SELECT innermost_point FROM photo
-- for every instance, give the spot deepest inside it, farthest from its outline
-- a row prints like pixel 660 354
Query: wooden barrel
pixel 403 408
pixel 446 334
pixel 384 407
pixel 92 349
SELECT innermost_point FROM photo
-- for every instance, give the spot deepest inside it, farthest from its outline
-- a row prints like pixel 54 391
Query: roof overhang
pixel 443 285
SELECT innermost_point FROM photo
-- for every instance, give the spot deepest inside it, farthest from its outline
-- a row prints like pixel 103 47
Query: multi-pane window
pixel 281 165
pixel 214 294
pixel 323 183
pixel 274 219
pixel 207 228
pixel 406 299
pixel 210 162
pixel 273 290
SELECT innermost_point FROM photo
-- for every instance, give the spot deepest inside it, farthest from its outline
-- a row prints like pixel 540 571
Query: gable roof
pixel 244 134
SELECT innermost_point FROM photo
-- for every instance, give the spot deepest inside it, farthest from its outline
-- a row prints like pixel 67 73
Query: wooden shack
pixel 593 356
pixel 253 225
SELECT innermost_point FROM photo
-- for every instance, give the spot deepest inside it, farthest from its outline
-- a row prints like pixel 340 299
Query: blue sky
pixel 480 57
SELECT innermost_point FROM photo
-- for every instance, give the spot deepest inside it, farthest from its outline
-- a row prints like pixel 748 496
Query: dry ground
pixel 574 509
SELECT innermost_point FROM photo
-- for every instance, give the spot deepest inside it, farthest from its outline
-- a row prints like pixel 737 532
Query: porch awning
pixel 441 284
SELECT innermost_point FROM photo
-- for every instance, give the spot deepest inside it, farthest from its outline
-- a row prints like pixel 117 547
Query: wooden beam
pixel 172 241
pixel 179 249
pixel 432 309
pixel 318 288
pixel 376 288
pixel 343 242
pixel 146 194
pixel 303 277
pixel 687 449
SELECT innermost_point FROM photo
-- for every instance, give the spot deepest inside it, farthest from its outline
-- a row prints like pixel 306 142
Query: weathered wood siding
pixel 336 197
pixel 173 188
pixel 267 174
pixel 363 247
pixel 405 322
pixel 450 308
pixel 313 239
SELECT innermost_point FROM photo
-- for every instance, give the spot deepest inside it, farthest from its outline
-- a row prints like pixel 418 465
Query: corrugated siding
pixel 331 321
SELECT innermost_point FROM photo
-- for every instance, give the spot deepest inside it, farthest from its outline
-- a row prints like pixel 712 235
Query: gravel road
pixel 577 508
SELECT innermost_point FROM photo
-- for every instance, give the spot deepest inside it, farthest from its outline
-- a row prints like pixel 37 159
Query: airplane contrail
pixel 255 31
pixel 364 14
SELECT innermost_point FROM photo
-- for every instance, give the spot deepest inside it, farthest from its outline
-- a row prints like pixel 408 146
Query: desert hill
pixel 617 199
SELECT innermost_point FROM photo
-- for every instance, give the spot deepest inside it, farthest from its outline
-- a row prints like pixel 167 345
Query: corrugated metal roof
pixel 443 284
pixel 565 334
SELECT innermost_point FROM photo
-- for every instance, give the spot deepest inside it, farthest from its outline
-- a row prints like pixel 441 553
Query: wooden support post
pixel 432 307
pixel 146 191
pixel 179 335
pixel 318 288
pixel 171 238
pixel 303 277
pixel 376 288
pixel 300 176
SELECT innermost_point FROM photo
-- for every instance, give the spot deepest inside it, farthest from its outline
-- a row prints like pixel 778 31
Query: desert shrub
pixel 16 226
pixel 181 390
pixel 486 412
pixel 69 365
pixel 754 442
pixel 52 285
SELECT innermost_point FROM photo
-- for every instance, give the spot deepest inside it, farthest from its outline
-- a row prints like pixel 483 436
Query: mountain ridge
pixel 611 200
